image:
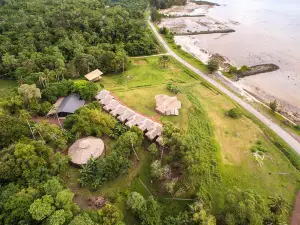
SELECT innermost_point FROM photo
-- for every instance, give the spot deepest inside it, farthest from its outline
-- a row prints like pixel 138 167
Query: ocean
pixel 267 31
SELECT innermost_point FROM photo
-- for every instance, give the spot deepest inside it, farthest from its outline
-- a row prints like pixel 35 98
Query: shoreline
pixel 195 45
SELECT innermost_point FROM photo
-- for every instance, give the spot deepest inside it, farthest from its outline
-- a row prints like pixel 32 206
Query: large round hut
pixel 83 149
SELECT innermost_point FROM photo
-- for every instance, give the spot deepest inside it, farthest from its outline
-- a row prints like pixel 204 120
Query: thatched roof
pixel 94 75
pixel 152 129
pixel 167 105
pixel 83 149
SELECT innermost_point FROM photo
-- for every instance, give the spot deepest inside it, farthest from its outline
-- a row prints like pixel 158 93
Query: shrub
pixel 259 149
pixel 297 127
pixel 164 60
pixel 234 113
pixel 212 65
pixel 233 69
pixel 163 30
pixel 258 142
pixel 243 69
pixel 173 88
pixel 118 130
pixel 153 149
pixel 273 105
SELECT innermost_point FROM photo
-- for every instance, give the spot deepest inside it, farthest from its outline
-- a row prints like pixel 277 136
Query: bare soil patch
pixel 296 213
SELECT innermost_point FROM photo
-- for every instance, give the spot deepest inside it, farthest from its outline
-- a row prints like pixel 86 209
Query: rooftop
pixel 70 103
pixel 94 75
pixel 167 105
pixel 83 149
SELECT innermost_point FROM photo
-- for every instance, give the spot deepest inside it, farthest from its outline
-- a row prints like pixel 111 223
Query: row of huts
pixel 151 128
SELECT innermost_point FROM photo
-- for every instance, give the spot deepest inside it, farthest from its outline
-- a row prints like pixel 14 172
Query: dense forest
pixel 56 39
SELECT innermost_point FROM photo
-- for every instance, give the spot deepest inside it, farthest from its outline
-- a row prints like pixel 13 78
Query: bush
pixel 273 105
pixel 153 149
pixel 259 149
pixel 155 15
pixel 234 113
pixel 173 88
pixel 164 60
pixel 233 69
pixel 163 30
pixel 243 69
pixel 212 66
pixel 297 127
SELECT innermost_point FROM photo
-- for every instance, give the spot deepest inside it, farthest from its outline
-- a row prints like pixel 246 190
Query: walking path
pixel 283 134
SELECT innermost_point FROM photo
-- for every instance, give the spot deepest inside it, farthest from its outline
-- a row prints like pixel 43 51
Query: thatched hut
pixel 83 149
pixel 167 105
pixel 94 76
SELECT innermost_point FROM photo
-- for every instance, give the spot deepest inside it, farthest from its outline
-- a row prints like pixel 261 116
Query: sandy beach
pixel 256 41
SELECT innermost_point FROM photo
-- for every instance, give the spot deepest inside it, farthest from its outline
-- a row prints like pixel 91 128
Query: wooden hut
pixel 94 76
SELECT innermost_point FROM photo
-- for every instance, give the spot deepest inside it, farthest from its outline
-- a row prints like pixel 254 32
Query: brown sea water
pixel 267 31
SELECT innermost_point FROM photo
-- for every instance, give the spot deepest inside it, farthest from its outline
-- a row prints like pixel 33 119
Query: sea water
pixel 267 31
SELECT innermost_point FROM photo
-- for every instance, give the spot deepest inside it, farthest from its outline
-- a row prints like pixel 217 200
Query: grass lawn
pixel 5 85
pixel 203 117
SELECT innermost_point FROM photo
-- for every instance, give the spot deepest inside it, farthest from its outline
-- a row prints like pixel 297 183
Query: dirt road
pixel 283 134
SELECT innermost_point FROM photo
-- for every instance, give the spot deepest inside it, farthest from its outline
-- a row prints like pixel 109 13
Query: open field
pixel 232 139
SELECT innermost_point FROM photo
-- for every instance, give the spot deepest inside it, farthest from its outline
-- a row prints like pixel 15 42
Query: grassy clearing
pixel 5 85
pixel 203 117
pixel 238 165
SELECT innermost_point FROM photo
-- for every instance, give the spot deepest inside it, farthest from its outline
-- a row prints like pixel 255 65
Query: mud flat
pixel 194 25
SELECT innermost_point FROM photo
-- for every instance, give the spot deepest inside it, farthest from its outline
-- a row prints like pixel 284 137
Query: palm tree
pixel 278 205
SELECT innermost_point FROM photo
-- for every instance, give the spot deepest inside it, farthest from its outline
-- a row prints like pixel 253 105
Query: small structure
pixel 83 149
pixel 94 76
pixel 167 105
pixel 67 105
pixel 97 202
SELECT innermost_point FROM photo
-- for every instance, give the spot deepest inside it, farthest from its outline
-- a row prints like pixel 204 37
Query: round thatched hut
pixel 83 149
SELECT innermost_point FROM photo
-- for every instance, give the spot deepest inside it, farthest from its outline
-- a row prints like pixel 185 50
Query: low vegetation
pixel 212 66
pixel 173 88
pixel 234 113
pixel 273 106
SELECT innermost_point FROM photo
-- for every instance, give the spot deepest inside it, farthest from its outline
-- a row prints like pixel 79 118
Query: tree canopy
pixel 42 41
